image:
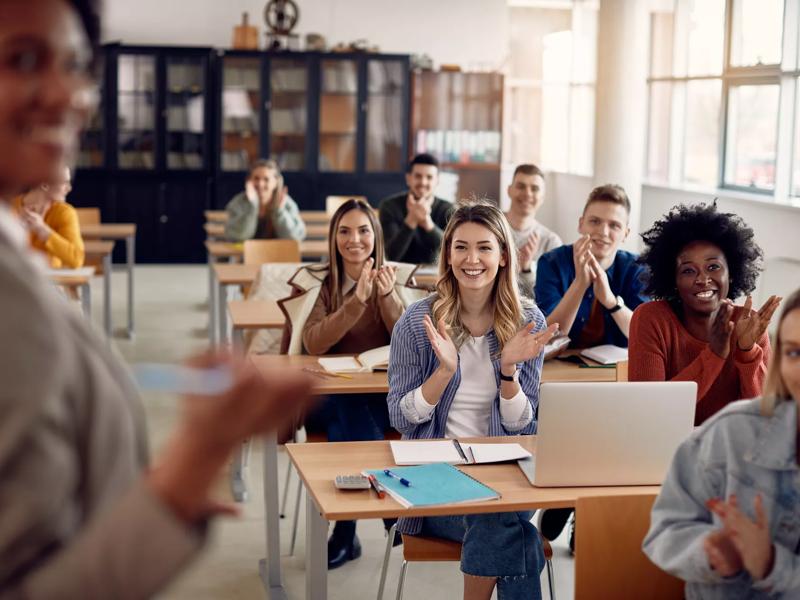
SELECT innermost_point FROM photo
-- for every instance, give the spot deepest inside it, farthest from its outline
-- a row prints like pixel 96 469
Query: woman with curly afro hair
pixel 699 260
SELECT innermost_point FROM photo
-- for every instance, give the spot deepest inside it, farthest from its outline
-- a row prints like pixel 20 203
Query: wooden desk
pixel 318 465
pixel 102 250
pixel 216 216
pixel 359 383
pixel 118 231
pixel 315 216
pixel 317 231
pixel 227 274
pixel 214 231
pixel 254 314
pixel 79 279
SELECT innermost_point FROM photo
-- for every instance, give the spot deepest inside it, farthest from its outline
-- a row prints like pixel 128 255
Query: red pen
pixel 378 487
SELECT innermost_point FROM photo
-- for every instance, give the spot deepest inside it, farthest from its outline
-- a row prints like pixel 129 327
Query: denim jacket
pixel 738 451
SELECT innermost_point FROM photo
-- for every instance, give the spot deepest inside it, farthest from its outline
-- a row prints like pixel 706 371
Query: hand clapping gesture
pixel 525 345
pixel 385 280
pixel 366 281
pixel 581 253
pixel 722 554
pixel 751 539
pixel 528 251
pixel 751 325
pixel 442 344
pixel 721 330
pixel 35 224
pixel 600 285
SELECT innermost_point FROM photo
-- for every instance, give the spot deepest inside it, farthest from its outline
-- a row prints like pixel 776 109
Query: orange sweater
pixel 64 247
pixel 661 349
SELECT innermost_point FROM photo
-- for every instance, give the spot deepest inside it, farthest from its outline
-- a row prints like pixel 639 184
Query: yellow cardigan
pixel 64 247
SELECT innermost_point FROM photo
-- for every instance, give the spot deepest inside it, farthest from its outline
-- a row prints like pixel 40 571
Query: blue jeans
pixel 362 417
pixel 502 545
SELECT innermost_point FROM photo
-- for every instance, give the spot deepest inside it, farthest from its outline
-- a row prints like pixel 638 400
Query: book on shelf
pixel 376 359
pixel 420 452
pixel 432 484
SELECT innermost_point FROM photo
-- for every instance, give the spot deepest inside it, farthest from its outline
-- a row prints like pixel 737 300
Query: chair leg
pixel 247 445
pixel 286 483
pixel 296 516
pixel 401 581
pixel 551 579
pixel 386 554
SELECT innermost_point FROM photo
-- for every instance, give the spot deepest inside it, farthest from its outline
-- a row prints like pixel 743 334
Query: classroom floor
pixel 171 324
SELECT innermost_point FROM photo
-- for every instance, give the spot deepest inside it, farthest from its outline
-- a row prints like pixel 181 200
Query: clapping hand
pixel 366 281
pixel 528 251
pixel 722 554
pixel 442 344
pixel 525 345
pixel 34 221
pixel 581 253
pixel 750 538
pixel 386 279
pixel 721 330
pixel 600 285
pixel 751 325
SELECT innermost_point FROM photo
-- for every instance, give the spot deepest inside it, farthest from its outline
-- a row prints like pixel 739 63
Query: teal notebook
pixel 432 484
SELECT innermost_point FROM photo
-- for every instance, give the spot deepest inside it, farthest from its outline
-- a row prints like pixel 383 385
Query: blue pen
pixel 402 480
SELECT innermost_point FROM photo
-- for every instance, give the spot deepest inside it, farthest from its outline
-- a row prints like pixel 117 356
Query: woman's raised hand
pixel 386 279
pixel 751 325
pixel 442 345
pixel 721 330
pixel 525 345
pixel 366 281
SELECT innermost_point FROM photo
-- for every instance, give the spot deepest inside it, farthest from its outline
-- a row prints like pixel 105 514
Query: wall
pixel 480 39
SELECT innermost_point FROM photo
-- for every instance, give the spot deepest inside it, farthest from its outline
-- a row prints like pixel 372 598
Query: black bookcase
pixel 177 128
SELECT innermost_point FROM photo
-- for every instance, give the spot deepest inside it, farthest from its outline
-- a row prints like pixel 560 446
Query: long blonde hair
pixel 775 389
pixel 507 302
pixel 335 278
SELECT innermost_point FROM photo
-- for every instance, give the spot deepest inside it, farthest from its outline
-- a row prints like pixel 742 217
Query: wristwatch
pixel 512 377
pixel 620 303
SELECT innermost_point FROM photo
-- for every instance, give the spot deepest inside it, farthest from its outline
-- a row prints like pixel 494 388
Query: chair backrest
pixel 88 216
pixel 609 562
pixel 332 203
pixel 258 252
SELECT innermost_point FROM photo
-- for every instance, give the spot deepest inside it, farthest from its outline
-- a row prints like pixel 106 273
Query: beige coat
pixel 76 520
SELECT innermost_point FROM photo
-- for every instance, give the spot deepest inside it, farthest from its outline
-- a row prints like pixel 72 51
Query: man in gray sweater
pixel 413 221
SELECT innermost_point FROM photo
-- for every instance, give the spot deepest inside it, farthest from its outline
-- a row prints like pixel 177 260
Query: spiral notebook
pixel 433 484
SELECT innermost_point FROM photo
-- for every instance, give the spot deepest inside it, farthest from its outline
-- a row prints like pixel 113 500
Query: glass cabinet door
pixel 241 102
pixel 288 81
pixel 385 115
pixel 186 83
pixel 338 115
pixel 91 153
pixel 136 98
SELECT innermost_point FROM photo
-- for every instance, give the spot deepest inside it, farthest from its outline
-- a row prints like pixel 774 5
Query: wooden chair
pixel 609 562
pixel 417 548
pixel 258 252
pixel 88 216
pixel 332 203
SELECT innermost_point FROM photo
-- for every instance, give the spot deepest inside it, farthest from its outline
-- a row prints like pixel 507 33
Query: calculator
pixel 351 482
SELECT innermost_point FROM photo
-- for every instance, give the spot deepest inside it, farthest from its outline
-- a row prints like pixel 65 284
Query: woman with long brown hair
pixel 466 362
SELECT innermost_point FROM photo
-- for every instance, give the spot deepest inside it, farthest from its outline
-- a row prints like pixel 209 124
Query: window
pixel 550 86
pixel 723 98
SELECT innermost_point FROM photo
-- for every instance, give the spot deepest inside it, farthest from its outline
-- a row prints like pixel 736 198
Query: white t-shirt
pixel 472 405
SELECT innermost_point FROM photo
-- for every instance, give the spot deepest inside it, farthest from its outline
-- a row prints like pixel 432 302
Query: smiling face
pixel 606 223
pixel 355 239
pixel 264 180
pixel 475 256
pixel 789 334
pixel 526 193
pixel 46 94
pixel 422 180
pixel 701 277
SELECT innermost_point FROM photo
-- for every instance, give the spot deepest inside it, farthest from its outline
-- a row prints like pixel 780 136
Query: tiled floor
pixel 171 319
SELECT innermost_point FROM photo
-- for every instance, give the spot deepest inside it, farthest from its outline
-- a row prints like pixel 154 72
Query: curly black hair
pixel 686 224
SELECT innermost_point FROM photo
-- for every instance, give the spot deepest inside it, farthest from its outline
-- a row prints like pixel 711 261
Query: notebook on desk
pixel 433 484
pixel 421 452
pixel 376 359
pixel 597 434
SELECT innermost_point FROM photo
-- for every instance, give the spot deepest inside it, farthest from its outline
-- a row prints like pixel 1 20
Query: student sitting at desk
pixel 466 362
pixel 726 518
pixel 264 210
pixel 352 305
pixel 531 237
pixel 698 260
pixel 52 223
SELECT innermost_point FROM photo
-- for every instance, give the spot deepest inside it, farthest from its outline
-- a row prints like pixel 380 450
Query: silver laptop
pixel 595 434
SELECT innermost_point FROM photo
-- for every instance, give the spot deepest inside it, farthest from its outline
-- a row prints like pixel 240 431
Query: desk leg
pixel 238 340
pixel 130 259
pixel 107 296
pixel 222 316
pixel 86 300
pixel 212 305
pixel 238 466
pixel 316 552
pixel 270 567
